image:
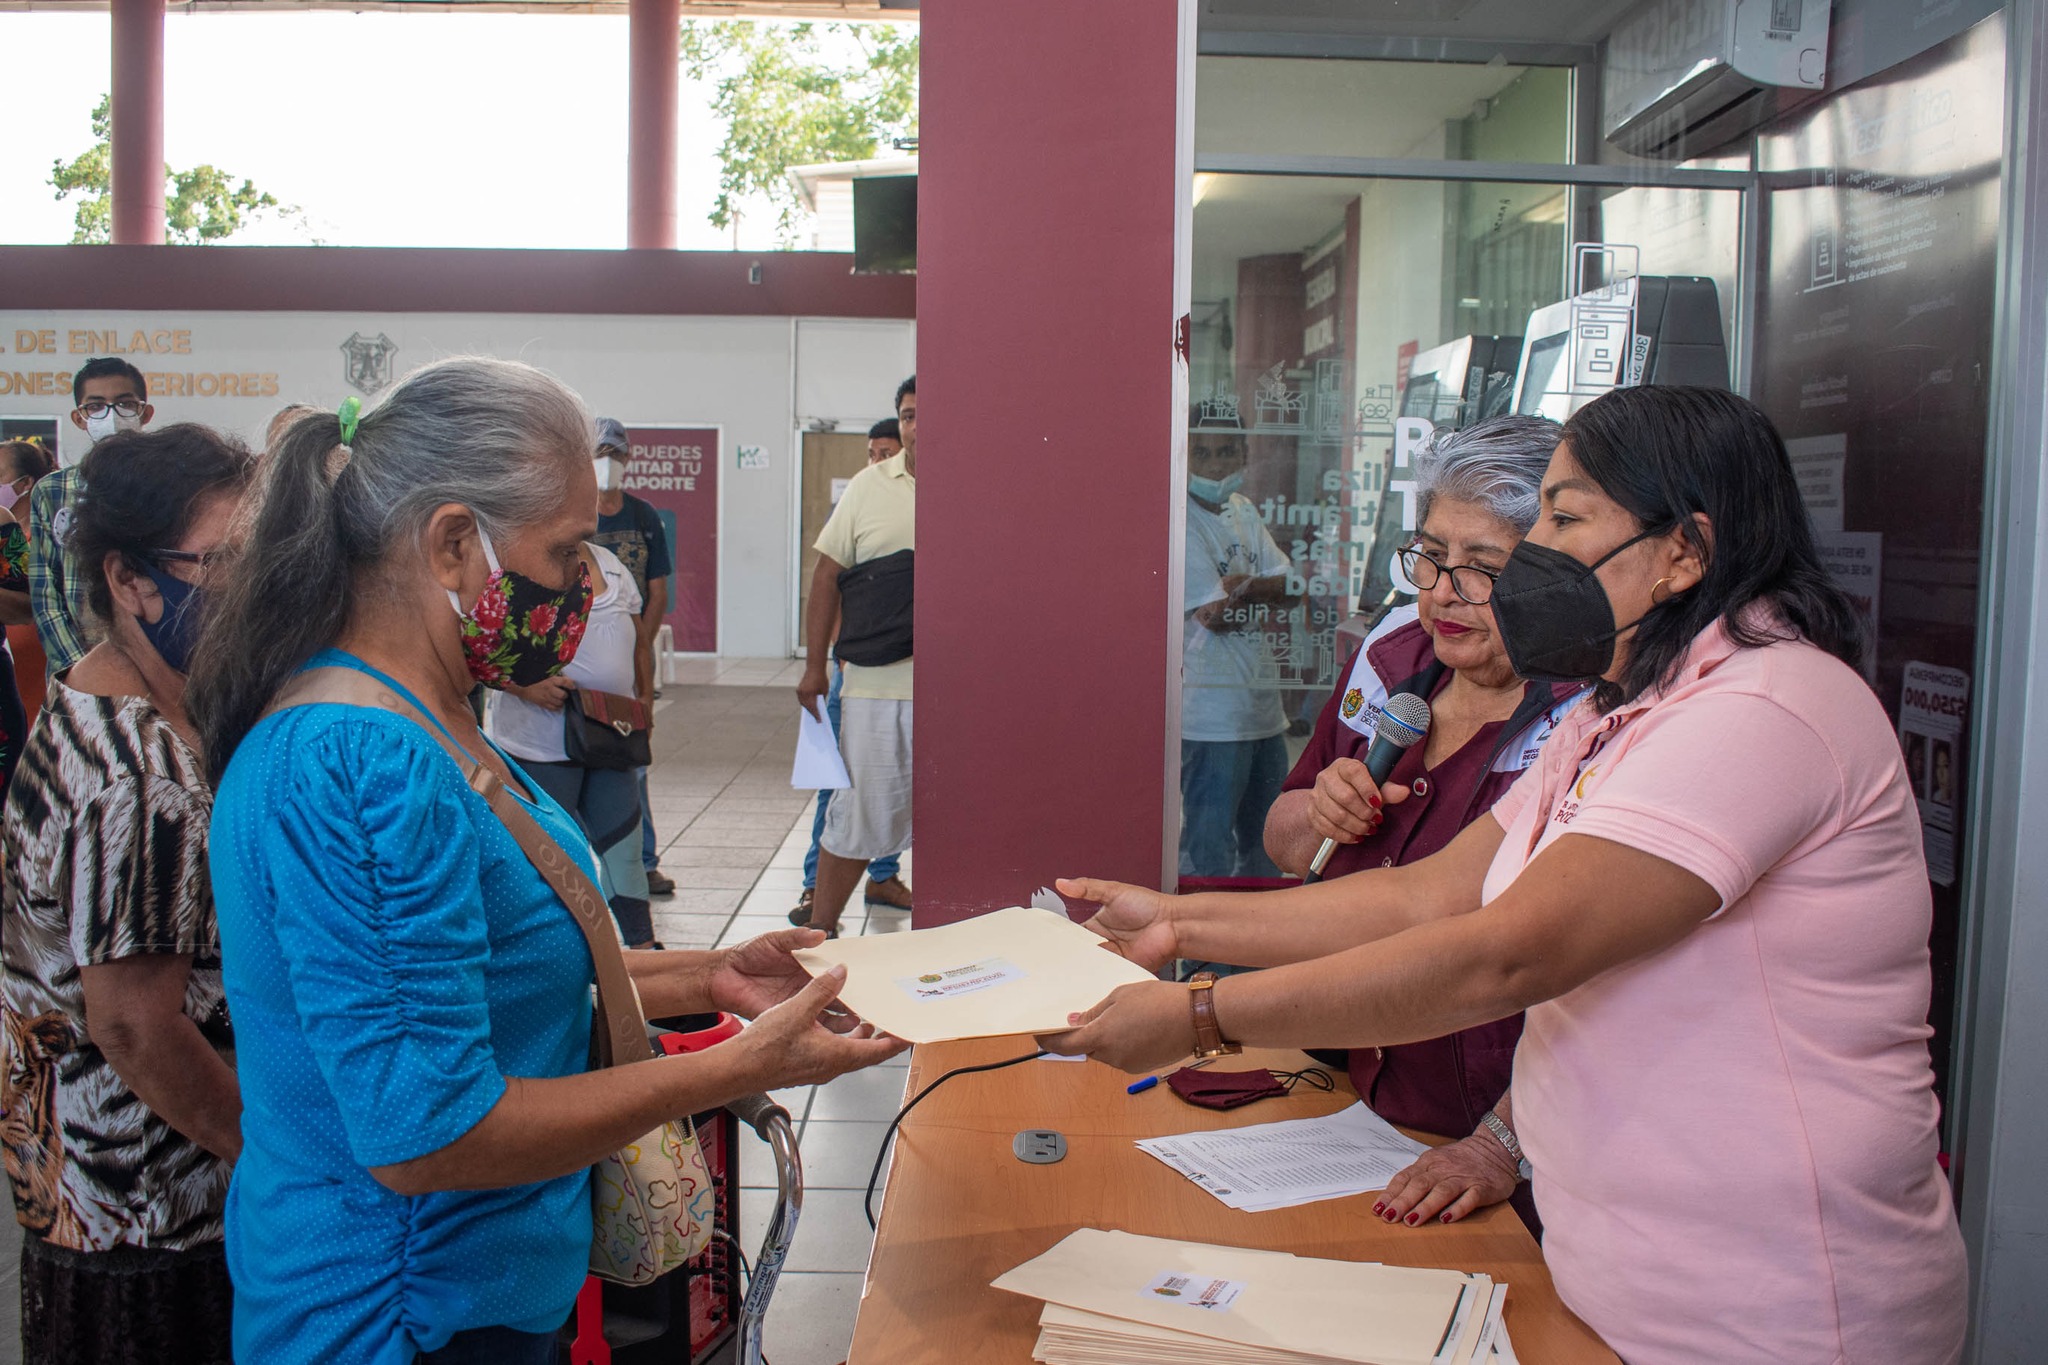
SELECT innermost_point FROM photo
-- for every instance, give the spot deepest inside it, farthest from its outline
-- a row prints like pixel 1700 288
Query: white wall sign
pixel 233 370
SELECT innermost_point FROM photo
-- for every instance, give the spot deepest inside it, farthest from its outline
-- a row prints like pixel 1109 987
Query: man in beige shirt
pixel 863 583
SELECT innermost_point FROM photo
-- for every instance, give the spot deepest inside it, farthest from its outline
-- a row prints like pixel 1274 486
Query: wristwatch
pixel 1209 1039
pixel 1505 1136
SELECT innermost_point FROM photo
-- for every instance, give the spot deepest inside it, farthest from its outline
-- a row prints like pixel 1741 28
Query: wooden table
pixel 961 1209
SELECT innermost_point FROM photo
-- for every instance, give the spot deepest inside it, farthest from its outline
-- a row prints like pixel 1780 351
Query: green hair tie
pixel 351 414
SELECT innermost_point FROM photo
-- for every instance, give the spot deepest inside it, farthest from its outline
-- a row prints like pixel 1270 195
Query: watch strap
pixel 1505 1136
pixel 1209 1039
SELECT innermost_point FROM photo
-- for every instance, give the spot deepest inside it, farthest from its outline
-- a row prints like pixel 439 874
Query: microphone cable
pixel 882 1154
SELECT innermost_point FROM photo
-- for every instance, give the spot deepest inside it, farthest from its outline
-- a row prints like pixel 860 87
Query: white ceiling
pixel 1283 106
pixel 1503 21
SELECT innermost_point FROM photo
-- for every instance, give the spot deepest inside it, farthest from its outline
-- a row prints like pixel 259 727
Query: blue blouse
pixel 390 957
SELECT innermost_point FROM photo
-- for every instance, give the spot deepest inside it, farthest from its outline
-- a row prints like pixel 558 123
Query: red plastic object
pixel 675 1044
pixel 590 1347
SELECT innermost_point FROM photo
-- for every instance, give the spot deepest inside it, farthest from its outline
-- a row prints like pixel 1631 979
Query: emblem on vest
pixel 1353 699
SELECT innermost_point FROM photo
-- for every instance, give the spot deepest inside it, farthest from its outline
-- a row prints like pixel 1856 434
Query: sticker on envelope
pixel 951 981
pixel 1195 1291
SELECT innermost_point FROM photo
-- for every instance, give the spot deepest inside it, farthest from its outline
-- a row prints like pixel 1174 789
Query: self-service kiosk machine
pixel 1462 381
pixel 1641 329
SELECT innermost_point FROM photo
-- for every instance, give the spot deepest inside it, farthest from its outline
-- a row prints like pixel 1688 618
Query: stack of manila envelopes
pixel 1118 1297
pixel 1020 970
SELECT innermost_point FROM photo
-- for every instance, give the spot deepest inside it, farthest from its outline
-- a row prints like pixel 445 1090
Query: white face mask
pixel 611 473
pixel 10 494
pixel 99 428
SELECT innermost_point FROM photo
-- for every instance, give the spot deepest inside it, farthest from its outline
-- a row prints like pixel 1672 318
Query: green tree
pixel 201 205
pixel 795 95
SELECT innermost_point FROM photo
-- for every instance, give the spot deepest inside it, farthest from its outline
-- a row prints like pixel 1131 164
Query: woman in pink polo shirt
pixel 1708 894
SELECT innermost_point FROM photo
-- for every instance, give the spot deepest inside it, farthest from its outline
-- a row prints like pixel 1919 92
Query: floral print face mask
pixel 520 631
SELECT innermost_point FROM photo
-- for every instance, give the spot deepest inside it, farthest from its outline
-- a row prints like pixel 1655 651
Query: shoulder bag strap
pixel 623 1036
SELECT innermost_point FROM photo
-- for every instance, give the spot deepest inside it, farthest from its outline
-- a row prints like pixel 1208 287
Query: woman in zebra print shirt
pixel 122 1109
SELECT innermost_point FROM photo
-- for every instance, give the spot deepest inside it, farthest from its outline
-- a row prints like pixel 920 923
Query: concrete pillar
pixel 138 143
pixel 1055 179
pixel 653 93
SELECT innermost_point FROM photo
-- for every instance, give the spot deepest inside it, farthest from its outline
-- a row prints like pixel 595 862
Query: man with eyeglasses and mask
pixel 108 395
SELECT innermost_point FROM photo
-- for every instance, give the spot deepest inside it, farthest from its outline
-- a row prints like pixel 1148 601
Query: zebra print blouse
pixel 104 842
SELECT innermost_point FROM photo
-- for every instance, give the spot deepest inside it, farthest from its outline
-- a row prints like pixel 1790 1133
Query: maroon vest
pixel 1444 1084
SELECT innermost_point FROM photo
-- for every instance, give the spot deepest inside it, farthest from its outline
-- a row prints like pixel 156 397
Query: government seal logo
pixel 1353 700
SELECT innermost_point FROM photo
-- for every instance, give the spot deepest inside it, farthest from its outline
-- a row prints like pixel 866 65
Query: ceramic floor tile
pixel 839 1153
pixel 831 1234
pixel 870 1095
pixel 796 1099
pixel 683 855
pixel 810 1319
pixel 693 931
pixel 719 876
pixel 757 843
pixel 701 899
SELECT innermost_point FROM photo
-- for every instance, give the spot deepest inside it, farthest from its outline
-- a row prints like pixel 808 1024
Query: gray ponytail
pixel 494 435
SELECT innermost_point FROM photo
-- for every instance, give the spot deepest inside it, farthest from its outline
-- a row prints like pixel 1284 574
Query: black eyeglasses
pixel 97 407
pixel 205 559
pixel 1472 583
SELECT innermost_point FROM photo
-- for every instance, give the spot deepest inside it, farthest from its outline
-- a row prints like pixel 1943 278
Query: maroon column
pixel 653 92
pixel 138 141
pixel 1052 203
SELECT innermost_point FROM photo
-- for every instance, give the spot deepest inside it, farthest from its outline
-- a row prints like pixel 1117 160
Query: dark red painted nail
pixel 1375 802
pixel 1412 1217
pixel 1443 1218
pixel 1380 1207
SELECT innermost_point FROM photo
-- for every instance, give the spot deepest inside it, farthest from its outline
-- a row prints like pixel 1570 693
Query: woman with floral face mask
pixel 1709 895
pixel 412 998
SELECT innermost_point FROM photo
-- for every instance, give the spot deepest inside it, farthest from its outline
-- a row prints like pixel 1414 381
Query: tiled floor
pixel 734 838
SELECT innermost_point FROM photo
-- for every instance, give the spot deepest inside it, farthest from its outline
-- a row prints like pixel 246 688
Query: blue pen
pixel 1140 1087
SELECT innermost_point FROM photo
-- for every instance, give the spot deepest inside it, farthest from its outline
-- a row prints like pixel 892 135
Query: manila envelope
pixel 1341 1310
pixel 1019 970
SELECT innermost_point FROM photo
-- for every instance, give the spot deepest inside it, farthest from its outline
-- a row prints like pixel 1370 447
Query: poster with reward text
pixel 675 470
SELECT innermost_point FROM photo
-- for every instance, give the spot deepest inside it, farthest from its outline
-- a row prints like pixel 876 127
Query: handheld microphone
pixel 1403 721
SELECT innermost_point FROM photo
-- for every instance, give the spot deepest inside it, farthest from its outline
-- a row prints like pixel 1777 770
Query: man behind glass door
pixel 1233 747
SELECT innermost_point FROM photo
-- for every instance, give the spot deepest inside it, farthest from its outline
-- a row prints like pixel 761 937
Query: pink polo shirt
pixel 1734 1139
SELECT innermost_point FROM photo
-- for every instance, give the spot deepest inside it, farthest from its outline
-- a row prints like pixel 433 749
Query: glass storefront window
pixel 1339 322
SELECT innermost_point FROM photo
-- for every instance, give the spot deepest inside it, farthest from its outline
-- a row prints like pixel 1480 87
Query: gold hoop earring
pixel 1655 600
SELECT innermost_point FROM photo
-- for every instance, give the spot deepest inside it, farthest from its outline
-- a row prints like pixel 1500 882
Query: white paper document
pixel 1012 971
pixel 1296 1161
pixel 819 766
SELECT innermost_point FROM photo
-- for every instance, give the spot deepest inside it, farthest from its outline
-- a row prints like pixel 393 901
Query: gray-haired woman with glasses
pixel 1478 497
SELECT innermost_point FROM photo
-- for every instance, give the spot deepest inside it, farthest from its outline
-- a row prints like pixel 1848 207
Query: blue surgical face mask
pixel 1218 491
pixel 175 633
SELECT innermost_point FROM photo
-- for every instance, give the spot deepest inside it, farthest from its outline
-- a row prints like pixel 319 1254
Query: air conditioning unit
pixel 1683 78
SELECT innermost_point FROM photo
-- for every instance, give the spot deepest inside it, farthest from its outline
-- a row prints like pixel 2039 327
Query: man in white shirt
pixel 863 585
pixel 1233 751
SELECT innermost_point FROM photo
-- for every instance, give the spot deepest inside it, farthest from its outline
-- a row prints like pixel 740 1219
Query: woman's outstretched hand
pixel 792 1044
pixel 1134 920
pixel 1139 1027
pixel 1446 1183
pixel 751 978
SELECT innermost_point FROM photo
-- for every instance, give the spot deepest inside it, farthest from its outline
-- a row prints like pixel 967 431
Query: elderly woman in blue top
pixel 411 1000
